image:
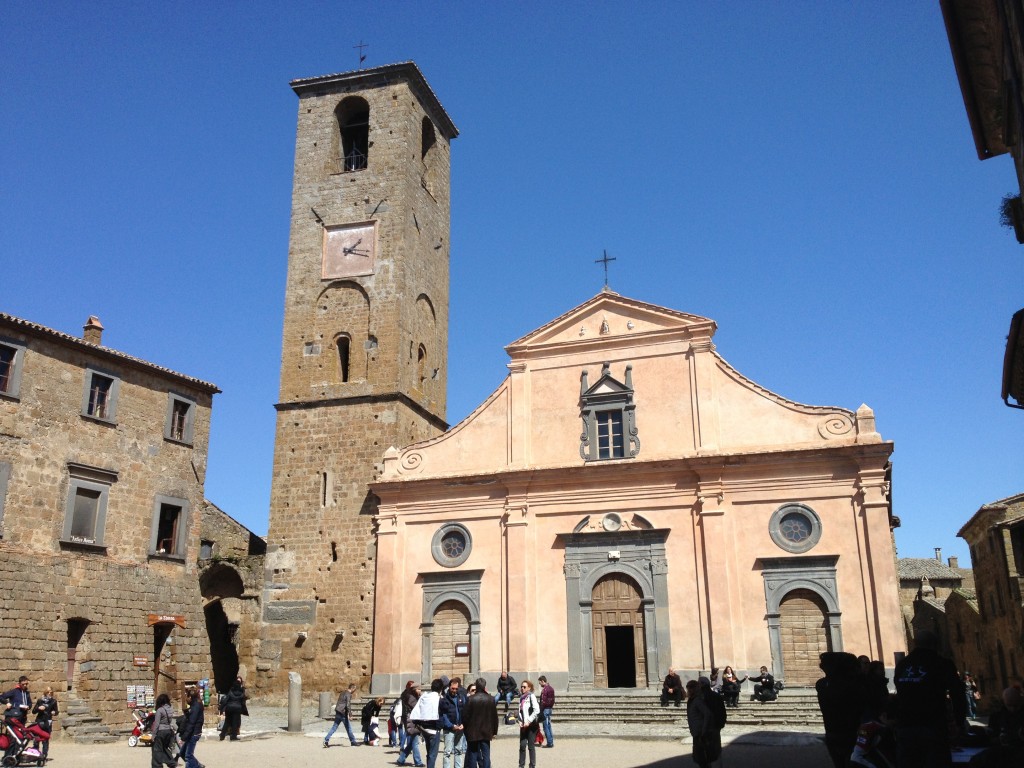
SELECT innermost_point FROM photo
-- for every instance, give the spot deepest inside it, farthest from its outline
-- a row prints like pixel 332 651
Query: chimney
pixel 938 554
pixel 954 562
pixel 92 331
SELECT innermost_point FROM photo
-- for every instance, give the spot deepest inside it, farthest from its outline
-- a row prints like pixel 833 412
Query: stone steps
pixel 83 727
pixel 797 707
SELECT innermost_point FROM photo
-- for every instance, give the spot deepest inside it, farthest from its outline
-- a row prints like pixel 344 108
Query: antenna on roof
pixel 362 56
pixel 605 259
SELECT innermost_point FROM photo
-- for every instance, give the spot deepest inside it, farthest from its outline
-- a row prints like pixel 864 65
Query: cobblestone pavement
pixel 265 741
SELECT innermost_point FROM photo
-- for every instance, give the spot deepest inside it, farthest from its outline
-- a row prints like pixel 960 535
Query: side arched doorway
pixel 218 583
pixel 450 650
pixel 804 636
pixel 620 660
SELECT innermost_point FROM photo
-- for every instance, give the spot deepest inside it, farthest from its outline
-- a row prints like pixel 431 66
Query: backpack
pixel 717 705
pixel 394 714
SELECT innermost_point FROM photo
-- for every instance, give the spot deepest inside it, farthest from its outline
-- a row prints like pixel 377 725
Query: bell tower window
pixel 354 125
pixel 344 345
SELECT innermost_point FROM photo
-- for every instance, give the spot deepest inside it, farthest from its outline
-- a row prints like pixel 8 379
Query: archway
pixel 218 582
pixel 450 649
pixel 617 620
pixel 804 636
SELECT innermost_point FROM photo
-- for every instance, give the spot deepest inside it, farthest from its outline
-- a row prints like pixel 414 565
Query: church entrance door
pixel 449 650
pixel 618 633
pixel 803 631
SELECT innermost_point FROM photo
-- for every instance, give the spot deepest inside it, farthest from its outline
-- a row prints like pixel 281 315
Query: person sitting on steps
pixel 764 686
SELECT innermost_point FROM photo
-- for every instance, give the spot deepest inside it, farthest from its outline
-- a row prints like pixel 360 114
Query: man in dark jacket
pixel 480 724
pixel 342 713
pixel 547 703
pixel 841 701
pixel 233 707
pixel 671 689
pixel 506 689
pixel 764 686
pixel 17 701
pixel 450 711
pixel 926 684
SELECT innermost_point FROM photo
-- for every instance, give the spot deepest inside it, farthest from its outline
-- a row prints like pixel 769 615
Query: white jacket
pixel 529 710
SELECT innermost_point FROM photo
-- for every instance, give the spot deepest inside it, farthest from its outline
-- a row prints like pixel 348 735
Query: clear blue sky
pixel 802 172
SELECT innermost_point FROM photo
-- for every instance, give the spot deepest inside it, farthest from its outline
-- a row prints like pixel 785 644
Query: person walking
pixel 971 695
pixel 193 728
pixel 842 703
pixel 702 721
pixel 480 721
pixel 529 712
pixel 233 708
pixel 46 709
pixel 162 744
pixel 450 711
pixel 547 703
pixel 410 732
pixel 342 713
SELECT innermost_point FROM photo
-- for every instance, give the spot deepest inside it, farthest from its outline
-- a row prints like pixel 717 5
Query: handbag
pixel 411 728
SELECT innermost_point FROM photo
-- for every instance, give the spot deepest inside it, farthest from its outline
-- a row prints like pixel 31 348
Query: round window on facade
pixel 451 545
pixel 795 527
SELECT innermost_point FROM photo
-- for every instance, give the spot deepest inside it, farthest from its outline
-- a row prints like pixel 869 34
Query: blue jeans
pixel 546 714
pixel 508 696
pixel 478 754
pixel 433 741
pixel 348 727
pixel 454 744
pixel 188 751
pixel 412 744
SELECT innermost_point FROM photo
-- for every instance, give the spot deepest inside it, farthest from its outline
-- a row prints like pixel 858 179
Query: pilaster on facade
pixel 703 403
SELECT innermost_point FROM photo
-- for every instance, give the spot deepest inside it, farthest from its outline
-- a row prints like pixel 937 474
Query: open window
pixel 353 116
pixel 180 421
pixel 12 357
pixel 169 536
pixel 609 417
pixel 99 398
pixel 344 344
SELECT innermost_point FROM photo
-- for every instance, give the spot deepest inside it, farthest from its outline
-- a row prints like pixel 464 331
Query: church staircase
pixel 78 723
pixel 616 710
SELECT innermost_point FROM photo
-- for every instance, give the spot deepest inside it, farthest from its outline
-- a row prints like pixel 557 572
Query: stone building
pixel 102 461
pixel 995 534
pixel 231 572
pixel 926 581
pixel 627 501
pixel 364 355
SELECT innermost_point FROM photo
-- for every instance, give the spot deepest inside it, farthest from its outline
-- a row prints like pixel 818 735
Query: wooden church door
pixel 620 659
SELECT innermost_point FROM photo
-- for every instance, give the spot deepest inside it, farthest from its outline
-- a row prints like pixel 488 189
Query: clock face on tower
pixel 350 250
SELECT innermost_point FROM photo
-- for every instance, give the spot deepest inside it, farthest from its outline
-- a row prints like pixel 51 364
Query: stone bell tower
pixel 363 360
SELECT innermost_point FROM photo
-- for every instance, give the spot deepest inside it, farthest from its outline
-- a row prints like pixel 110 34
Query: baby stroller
pixel 143 725
pixel 16 742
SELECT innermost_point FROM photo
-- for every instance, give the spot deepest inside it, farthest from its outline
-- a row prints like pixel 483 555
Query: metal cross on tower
pixel 604 260
pixel 362 56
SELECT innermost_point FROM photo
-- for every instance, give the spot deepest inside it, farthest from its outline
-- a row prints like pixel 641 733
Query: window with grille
pixel 609 435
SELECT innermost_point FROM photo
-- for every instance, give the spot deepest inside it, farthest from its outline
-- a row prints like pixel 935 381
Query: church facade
pixel 627 501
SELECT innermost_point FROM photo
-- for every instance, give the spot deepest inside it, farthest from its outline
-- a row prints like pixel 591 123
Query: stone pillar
pixel 389 605
pixel 294 702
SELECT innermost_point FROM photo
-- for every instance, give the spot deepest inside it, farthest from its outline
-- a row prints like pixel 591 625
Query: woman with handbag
pixel 529 725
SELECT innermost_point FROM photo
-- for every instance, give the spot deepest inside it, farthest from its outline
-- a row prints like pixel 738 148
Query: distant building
pixel 987 41
pixel 102 463
pixel 995 534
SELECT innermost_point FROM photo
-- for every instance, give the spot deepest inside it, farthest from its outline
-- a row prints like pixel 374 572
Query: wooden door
pixel 451 637
pixel 803 631
pixel 617 603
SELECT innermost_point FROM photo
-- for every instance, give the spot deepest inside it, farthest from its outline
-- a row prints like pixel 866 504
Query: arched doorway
pixel 449 652
pixel 218 583
pixel 617 619
pixel 804 636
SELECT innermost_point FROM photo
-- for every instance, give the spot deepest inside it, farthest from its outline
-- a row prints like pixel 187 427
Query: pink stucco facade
pixel 693 517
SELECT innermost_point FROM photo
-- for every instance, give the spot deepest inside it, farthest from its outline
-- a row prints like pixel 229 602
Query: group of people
pixel 727 685
pixel 461 721
pixel 917 726
pixel 176 738
pixel 18 706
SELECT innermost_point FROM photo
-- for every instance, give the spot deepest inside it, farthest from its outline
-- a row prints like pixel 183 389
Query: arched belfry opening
pixel 353 116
